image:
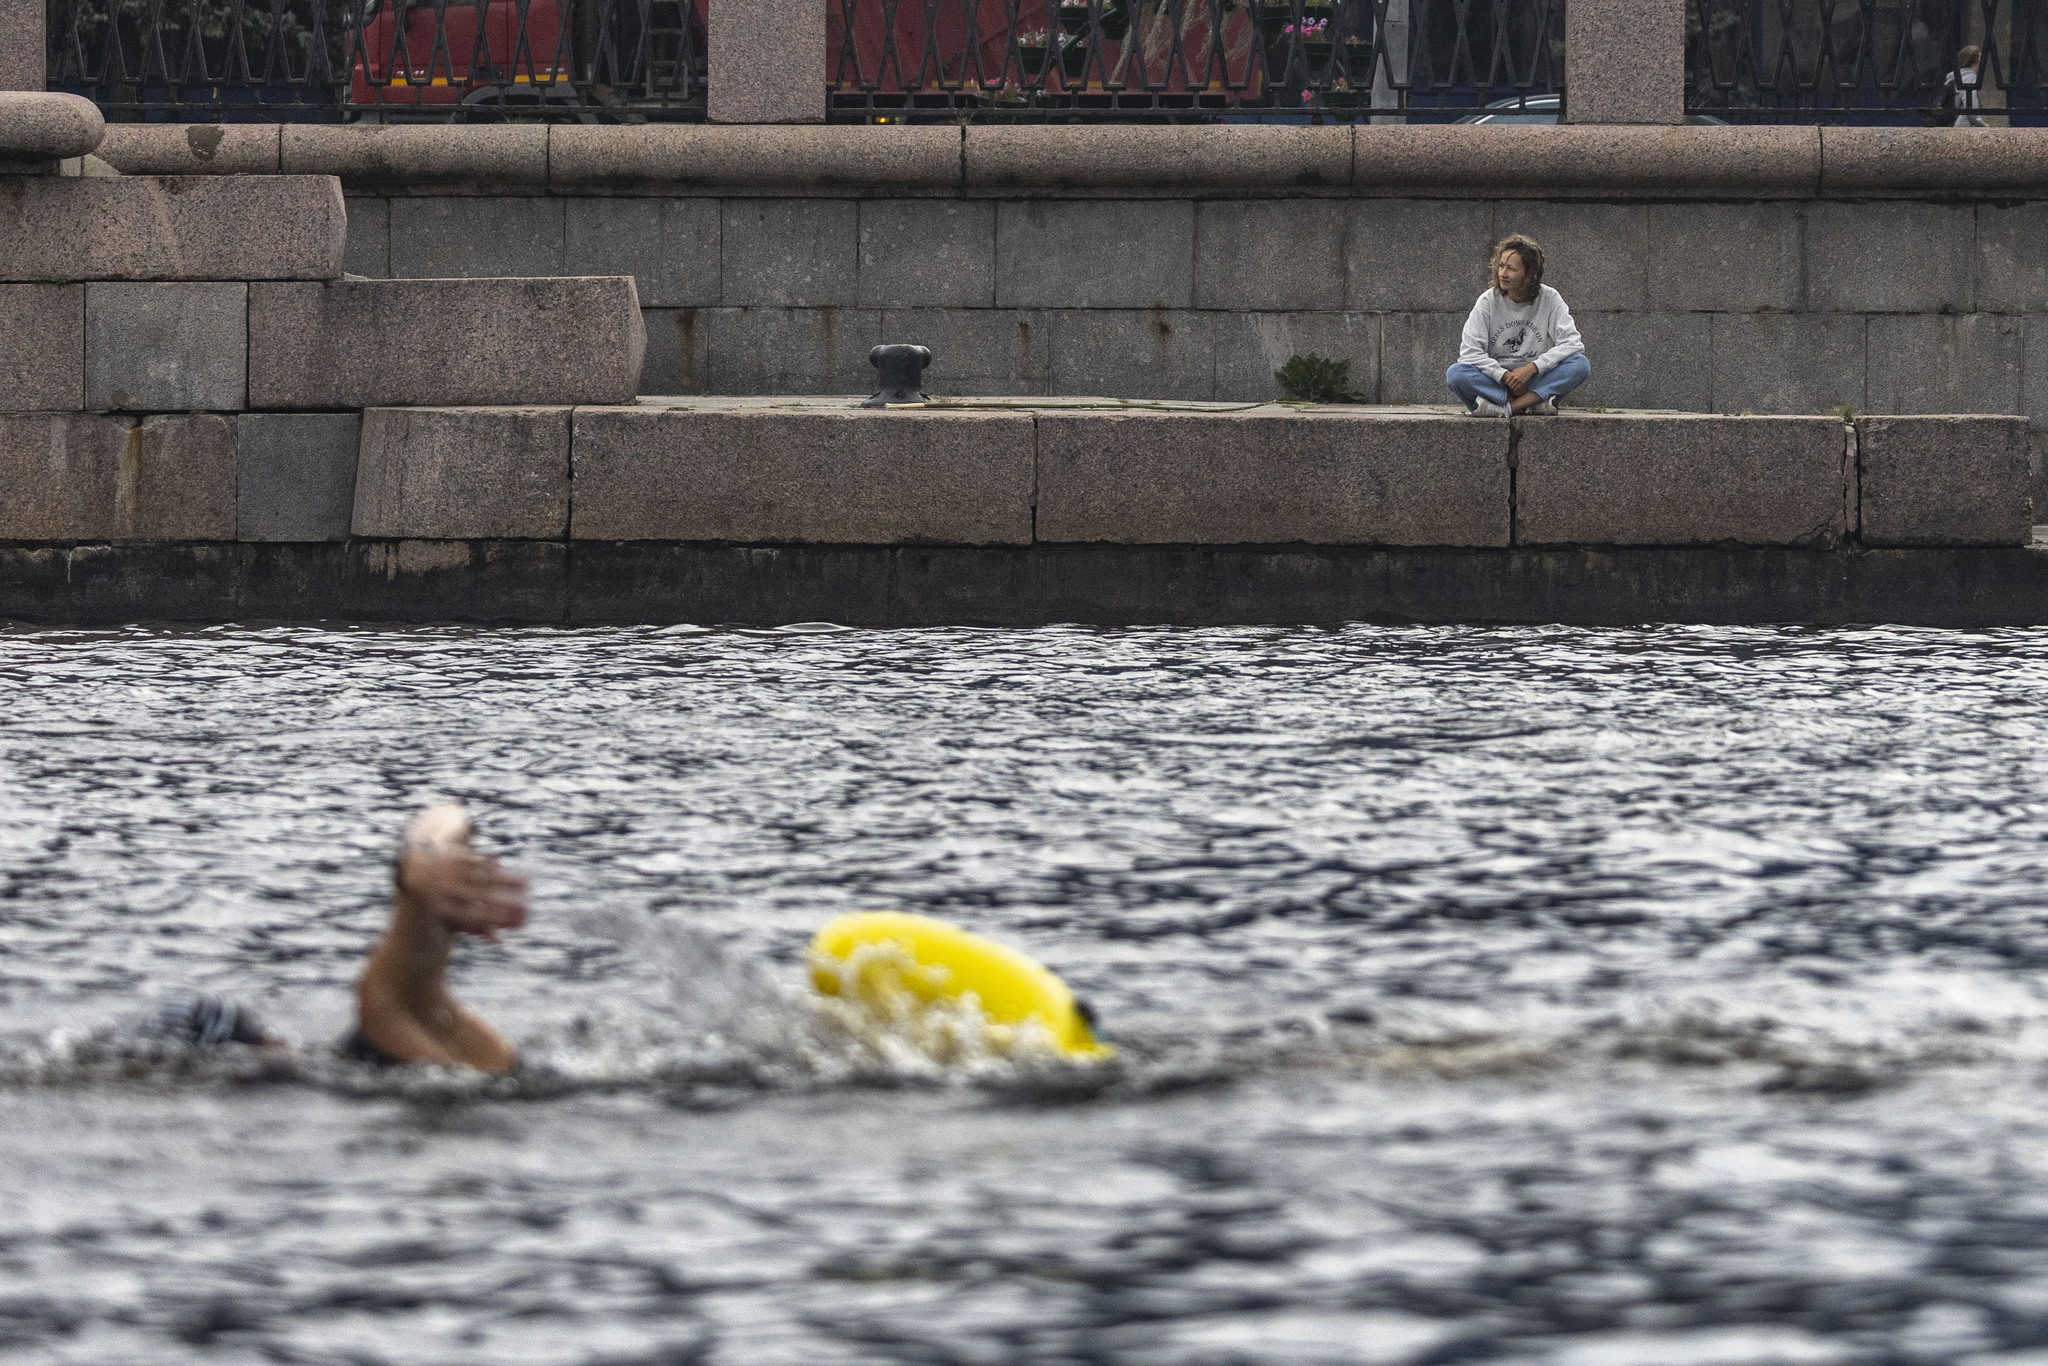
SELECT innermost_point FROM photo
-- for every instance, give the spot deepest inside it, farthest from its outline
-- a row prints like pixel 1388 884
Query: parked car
pixel 1544 109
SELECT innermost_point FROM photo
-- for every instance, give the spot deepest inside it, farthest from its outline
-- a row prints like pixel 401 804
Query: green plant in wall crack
pixel 1312 379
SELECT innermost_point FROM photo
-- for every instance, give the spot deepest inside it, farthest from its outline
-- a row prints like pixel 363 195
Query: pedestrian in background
pixel 1962 90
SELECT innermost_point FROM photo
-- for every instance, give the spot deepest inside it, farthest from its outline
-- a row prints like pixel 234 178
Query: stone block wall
pixel 1769 306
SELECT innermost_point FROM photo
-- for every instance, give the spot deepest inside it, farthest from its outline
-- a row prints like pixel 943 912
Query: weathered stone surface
pixel 88 477
pixel 42 347
pixel 23 59
pixel 818 475
pixel 475 236
pixel 1890 258
pixel 171 228
pixel 678 352
pixel 368 253
pixel 1137 354
pixel 2034 375
pixel 295 475
pixel 1625 61
pixel 669 246
pixel 483 581
pixel 1415 351
pixel 1077 254
pixel 192 148
pixel 162 346
pixel 435 474
pixel 1787 362
pixel 751 51
pixel 419 158
pixel 1251 346
pixel 1937 160
pixel 1678 479
pixel 1944 481
pixel 373 343
pixel 2012 271
pixel 792 350
pixel 39 125
pixel 1741 162
pixel 183 485
pixel 1967 363
pixel 1272 255
pixel 927 253
pixel 1647 360
pixel 1122 157
pixel 790 252
pixel 1596 255
pixel 977 352
pixel 671 156
pixel 1417 255
pixel 1272 476
pixel 1724 258
pixel 58 474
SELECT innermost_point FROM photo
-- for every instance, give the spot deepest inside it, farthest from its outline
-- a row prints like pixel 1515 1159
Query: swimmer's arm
pixel 477 1044
pixel 400 1037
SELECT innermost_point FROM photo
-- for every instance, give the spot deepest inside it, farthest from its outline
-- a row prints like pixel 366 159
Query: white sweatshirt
pixel 1502 335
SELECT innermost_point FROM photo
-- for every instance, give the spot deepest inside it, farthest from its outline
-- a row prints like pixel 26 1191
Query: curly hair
pixel 1532 262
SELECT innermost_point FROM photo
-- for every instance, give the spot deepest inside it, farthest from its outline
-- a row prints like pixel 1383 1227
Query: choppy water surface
pixel 1612 998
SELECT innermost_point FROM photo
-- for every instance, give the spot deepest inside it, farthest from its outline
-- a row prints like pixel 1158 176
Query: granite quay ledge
pixel 194 148
pixel 1243 157
pixel 171 228
pixel 35 125
pixel 773 472
pixel 1936 161
pixel 444 343
pixel 1940 481
pixel 1683 479
pixel 838 157
pixel 419 159
pixel 1580 160
pixel 543 582
pixel 1271 476
pixel 463 474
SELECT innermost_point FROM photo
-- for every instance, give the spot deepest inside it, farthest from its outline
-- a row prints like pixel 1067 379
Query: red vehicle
pixel 425 56
pixel 1054 34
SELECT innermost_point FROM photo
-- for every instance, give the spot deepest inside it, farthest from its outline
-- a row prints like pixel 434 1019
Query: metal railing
pixel 382 60
pixel 1861 61
pixel 1167 60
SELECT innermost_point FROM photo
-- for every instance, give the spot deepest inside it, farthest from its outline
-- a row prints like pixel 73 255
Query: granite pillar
pixel 1624 61
pixel 765 64
pixel 23 63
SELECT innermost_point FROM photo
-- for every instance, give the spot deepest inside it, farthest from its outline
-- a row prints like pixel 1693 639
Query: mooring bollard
pixel 902 370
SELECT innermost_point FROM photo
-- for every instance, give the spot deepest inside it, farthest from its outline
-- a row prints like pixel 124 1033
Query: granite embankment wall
pixel 1773 270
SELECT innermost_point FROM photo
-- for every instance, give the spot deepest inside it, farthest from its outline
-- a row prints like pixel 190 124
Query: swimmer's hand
pixel 470 893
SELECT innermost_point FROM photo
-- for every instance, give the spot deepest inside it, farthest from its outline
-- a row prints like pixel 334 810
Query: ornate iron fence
pixel 382 60
pixel 1160 60
pixel 1861 61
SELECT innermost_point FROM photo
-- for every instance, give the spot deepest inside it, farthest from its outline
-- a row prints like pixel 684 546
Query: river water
pixel 1601 998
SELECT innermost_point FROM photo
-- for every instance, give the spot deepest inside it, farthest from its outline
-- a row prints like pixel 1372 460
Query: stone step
pixel 442 343
pixel 64 228
pixel 823 472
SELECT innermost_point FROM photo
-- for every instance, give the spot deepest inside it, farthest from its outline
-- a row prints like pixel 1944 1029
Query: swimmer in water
pixel 441 888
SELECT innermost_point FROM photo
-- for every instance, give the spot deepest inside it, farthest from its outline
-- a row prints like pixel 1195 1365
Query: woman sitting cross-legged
pixel 1521 350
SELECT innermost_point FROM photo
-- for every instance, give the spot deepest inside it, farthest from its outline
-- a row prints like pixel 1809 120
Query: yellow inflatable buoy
pixel 946 964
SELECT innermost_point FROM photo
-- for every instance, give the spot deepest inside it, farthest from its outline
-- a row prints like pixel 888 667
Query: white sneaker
pixel 1485 407
pixel 1545 408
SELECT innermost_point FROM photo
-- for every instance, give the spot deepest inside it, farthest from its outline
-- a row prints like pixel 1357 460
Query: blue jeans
pixel 1469 382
